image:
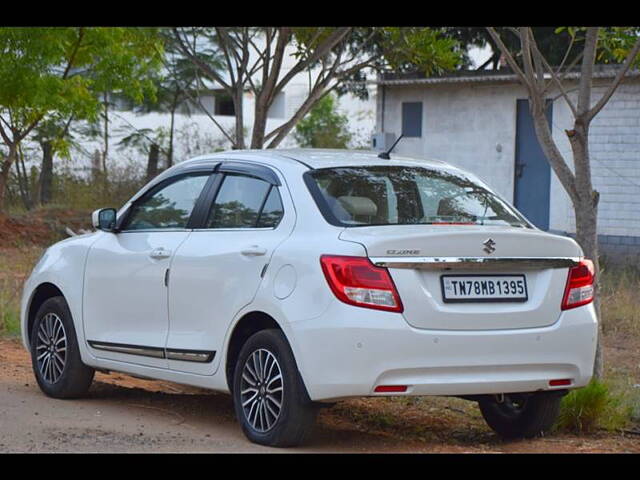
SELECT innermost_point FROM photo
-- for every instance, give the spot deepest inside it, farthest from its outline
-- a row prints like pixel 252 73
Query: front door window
pixel 167 208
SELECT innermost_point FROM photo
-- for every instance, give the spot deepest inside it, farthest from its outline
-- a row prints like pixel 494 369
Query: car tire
pixel 270 400
pixel 521 415
pixel 55 356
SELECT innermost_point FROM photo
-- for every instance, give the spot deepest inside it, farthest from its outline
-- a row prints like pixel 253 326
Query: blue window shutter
pixel 412 119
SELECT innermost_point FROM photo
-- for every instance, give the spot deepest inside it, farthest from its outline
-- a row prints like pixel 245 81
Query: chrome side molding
pixel 191 355
pixel 471 263
pixel 201 356
pixel 129 349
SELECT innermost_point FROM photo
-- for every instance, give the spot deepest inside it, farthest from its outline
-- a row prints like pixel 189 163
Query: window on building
pixel 224 105
pixel 412 119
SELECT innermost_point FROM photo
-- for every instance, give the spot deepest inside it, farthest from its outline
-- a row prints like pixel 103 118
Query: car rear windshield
pixel 397 195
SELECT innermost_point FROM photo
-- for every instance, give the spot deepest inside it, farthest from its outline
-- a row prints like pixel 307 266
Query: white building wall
pixel 473 126
pixel 614 143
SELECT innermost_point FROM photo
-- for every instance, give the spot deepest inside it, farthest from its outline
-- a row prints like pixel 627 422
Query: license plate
pixel 484 288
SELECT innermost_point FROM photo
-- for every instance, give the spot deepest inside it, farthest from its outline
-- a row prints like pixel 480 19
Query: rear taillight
pixel 357 281
pixel 579 289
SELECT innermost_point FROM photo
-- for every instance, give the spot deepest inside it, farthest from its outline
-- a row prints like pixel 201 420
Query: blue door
pixel 532 170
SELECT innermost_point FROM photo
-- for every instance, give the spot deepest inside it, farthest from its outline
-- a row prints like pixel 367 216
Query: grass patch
pixel 594 407
pixel 620 302
pixel 9 309
pixel 15 267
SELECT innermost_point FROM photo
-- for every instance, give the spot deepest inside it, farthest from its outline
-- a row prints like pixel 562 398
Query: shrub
pixel 594 406
pixel 324 126
pixel 619 299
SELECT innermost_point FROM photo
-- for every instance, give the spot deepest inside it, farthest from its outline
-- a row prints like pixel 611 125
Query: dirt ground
pixel 125 414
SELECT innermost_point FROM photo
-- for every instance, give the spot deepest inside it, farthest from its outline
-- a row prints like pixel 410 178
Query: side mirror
pixel 104 219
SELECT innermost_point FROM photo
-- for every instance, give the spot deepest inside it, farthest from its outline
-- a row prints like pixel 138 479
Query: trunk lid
pixel 417 256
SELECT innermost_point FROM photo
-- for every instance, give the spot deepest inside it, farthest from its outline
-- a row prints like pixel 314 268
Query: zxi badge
pixel 489 245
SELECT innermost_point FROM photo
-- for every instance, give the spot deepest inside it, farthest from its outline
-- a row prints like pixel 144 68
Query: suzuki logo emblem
pixel 489 245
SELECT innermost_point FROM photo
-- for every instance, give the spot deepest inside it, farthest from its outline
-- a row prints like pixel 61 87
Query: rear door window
pixel 245 202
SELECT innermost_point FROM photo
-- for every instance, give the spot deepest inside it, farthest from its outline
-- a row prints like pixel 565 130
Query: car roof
pixel 323 158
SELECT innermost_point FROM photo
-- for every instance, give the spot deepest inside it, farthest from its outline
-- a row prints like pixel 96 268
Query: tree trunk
pixel 105 150
pixel 152 161
pixel 4 173
pixel 586 215
pixel 238 104
pixel 105 135
pixel 24 185
pixel 96 161
pixel 259 122
pixel 46 172
pixel 171 129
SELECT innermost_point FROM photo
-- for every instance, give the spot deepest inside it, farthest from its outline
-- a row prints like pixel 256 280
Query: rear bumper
pixel 348 351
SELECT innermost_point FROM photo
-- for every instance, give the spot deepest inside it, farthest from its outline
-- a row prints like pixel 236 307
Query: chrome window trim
pixel 248 229
pixel 469 263
pixel 143 230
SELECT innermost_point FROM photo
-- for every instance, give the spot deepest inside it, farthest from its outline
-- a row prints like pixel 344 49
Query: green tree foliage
pixel 399 49
pixel 556 44
pixel 61 70
pixel 332 58
pixel 323 126
pixel 614 43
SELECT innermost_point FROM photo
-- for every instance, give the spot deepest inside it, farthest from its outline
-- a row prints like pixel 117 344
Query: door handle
pixel 159 253
pixel 253 251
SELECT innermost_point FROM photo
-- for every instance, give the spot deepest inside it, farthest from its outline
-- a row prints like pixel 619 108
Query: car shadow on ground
pixel 334 430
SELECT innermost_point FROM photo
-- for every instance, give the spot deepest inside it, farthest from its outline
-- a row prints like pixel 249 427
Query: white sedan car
pixel 296 278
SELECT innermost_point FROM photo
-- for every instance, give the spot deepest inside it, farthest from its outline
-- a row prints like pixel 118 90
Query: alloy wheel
pixel 51 348
pixel 261 390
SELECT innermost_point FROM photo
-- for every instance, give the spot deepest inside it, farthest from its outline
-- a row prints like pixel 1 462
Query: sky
pixel 479 55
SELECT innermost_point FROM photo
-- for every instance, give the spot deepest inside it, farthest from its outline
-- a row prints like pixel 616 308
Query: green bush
pixel 324 126
pixel 592 407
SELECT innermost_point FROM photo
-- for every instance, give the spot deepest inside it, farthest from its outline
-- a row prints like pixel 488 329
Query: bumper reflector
pixel 390 388
pixel 559 383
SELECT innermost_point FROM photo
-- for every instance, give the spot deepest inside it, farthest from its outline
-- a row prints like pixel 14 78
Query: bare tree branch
pixel 586 71
pixel 509 57
pixel 320 51
pixel 224 44
pixel 554 79
pixel 72 57
pixel 206 69
pixel 566 55
pixel 526 58
pixel 3 133
pixel 616 81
